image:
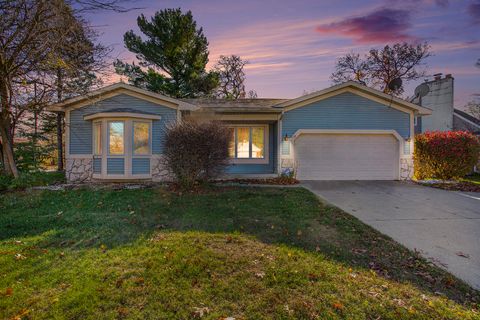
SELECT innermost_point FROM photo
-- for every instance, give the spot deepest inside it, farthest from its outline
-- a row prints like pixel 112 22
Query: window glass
pixel 258 143
pixel 243 142
pixel 231 144
pixel 97 138
pixel 141 138
pixel 116 137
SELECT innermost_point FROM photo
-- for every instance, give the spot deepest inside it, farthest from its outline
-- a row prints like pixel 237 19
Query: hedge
pixel 445 155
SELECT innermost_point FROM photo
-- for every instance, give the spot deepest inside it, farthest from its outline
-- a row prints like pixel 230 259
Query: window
pixel 116 143
pixel 141 137
pixel 247 143
pixel 258 143
pixel 231 144
pixel 97 138
pixel 243 142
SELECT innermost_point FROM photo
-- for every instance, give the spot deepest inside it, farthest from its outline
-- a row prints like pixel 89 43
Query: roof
pixel 119 88
pixel 235 106
pixel 239 105
pixel 467 116
pixel 359 88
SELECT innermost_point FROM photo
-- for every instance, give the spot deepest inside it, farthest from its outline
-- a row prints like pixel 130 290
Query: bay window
pixel 141 137
pixel 248 143
pixel 97 138
pixel 116 139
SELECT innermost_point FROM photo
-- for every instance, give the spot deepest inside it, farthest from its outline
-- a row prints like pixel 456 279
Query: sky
pixel 292 46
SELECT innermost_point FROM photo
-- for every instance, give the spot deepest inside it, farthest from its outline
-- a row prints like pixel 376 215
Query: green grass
pixel 248 253
pixel 32 179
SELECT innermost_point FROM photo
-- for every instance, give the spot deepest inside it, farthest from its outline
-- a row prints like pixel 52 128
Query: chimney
pixel 448 75
pixel 437 76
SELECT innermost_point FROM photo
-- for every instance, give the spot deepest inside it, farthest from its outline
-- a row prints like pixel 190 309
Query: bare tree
pixel 232 77
pixel 380 66
pixel 44 50
pixel 350 67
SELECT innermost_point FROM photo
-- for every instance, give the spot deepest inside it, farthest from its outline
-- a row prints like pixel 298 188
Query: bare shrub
pixel 196 151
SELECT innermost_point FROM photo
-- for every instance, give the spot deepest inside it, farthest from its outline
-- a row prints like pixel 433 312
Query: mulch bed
pixel 458 186
pixel 280 181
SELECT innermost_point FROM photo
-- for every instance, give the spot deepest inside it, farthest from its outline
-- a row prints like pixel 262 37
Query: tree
pixel 474 108
pixel 231 76
pixel 380 66
pixel 42 43
pixel 173 57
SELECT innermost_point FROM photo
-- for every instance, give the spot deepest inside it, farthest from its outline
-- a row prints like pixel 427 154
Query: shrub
pixel 445 155
pixel 196 151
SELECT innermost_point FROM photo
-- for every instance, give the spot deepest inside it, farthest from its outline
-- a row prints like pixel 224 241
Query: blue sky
pixel 292 46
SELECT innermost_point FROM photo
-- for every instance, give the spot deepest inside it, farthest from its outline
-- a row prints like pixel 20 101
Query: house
pixel 345 132
pixel 444 117
pixel 465 121
pixel 439 99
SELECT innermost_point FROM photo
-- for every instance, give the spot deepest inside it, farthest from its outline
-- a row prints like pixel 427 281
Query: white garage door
pixel 347 157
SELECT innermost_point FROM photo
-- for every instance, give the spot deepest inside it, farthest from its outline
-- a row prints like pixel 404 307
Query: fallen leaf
pixel 337 306
pixel 199 312
pixel 260 275
pixel 463 255
pixel 8 292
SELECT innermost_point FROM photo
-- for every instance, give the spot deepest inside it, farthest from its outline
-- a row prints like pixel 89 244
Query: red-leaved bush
pixel 445 155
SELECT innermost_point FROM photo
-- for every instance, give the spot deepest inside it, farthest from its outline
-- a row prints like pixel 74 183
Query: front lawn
pixel 247 253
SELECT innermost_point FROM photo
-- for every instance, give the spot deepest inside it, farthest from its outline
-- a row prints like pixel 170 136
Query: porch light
pixel 286 137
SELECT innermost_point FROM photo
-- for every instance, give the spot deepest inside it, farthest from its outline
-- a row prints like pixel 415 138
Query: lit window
pixel 258 143
pixel 231 144
pixel 141 138
pixel 116 137
pixel 247 143
pixel 243 142
pixel 97 138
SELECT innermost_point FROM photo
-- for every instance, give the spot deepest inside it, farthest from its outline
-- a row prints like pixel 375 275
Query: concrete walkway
pixel 443 225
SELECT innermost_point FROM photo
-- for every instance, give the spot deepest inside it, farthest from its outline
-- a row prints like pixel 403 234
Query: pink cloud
pixel 382 25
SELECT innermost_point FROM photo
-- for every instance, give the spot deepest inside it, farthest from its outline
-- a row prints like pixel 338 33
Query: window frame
pixel 266 141
pixel 149 123
pixel 97 138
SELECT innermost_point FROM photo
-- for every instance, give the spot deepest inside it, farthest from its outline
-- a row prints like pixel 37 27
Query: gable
pixel 80 137
pixel 346 111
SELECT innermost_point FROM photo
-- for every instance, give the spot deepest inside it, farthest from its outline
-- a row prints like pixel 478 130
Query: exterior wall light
pixel 285 138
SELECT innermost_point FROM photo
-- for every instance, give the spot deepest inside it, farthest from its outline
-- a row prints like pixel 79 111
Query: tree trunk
pixel 7 150
pixel 60 141
pixel 59 122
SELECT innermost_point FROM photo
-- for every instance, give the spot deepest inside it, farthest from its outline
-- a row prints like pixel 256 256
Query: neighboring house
pixel 465 121
pixel 345 132
pixel 440 100
pixel 444 116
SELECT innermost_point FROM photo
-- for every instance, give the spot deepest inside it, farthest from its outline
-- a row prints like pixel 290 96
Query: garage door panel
pixel 347 157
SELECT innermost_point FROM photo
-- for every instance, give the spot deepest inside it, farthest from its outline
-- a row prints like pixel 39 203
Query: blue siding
pixel 115 166
pixel 260 168
pixel 97 165
pixel 140 166
pixel 346 111
pixel 81 130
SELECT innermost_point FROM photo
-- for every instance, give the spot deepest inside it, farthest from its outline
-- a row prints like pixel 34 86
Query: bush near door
pixel 445 155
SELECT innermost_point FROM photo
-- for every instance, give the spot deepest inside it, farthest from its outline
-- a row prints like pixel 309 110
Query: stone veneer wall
pixel 159 173
pixel 406 168
pixel 79 170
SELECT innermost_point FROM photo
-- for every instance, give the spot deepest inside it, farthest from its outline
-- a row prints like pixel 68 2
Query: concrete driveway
pixel 442 225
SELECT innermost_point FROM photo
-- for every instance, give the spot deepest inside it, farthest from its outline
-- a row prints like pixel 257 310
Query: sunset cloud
pixel 382 25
